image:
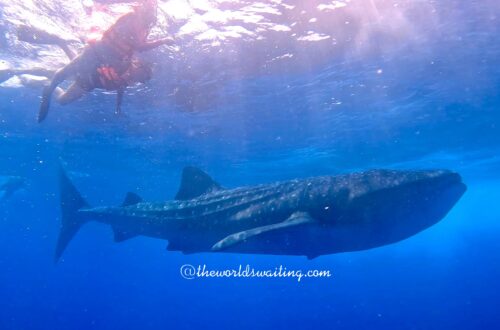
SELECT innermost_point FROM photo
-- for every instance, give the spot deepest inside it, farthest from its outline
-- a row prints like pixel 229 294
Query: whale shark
pixel 303 217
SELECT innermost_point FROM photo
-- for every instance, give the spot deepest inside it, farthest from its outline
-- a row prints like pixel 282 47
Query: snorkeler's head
pixel 147 11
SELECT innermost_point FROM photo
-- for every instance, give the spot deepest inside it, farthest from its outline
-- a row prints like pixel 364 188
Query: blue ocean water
pixel 411 85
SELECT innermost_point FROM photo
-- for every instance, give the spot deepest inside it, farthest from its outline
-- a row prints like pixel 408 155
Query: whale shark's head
pixel 384 206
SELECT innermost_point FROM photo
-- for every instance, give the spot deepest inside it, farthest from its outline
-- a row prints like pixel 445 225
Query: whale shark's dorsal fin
pixel 195 183
pixel 131 199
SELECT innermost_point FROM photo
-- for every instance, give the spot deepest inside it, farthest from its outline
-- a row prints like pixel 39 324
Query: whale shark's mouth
pixel 431 200
pixel 391 214
pixel 449 187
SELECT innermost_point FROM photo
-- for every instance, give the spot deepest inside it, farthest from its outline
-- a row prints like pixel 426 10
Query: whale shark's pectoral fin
pixel 296 219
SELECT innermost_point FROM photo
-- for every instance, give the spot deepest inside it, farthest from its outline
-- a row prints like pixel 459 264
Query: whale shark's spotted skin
pixel 310 217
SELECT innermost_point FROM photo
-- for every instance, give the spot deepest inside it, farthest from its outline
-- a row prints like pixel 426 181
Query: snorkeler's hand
pixel 119 99
pixel 148 45
pixel 167 41
pixel 118 112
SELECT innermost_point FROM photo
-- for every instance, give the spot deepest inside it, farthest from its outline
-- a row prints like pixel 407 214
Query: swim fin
pixel 44 106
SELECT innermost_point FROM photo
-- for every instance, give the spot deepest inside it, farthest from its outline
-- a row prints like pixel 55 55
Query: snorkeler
pixel 104 77
pixel 108 63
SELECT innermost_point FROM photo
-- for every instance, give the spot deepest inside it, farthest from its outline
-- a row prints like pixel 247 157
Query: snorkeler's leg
pixel 73 93
pixel 65 48
pixel 46 95
pixel 84 64
pixel 32 82
pixel 36 36
pixel 58 78
pixel 6 74
pixel 38 72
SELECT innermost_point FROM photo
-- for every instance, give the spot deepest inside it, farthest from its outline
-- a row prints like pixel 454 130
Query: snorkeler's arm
pixel 148 45
pixel 119 99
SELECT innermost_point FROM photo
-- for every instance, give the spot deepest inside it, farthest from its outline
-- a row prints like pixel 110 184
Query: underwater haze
pixel 254 92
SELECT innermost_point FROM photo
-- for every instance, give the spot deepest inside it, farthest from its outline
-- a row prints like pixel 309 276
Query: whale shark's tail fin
pixel 71 202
